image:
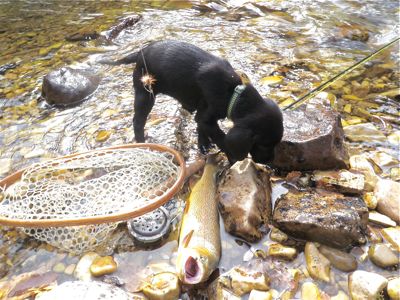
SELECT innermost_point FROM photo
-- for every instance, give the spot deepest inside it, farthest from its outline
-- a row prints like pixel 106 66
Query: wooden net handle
pixel 112 218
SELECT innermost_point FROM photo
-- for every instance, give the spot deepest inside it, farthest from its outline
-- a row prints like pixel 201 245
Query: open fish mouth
pixel 193 271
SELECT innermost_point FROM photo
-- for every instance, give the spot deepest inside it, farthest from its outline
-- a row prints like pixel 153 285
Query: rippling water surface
pixel 299 44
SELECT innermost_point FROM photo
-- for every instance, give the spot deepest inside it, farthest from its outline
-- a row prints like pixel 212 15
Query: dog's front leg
pixel 209 128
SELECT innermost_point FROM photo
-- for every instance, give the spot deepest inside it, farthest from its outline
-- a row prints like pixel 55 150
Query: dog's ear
pixel 238 143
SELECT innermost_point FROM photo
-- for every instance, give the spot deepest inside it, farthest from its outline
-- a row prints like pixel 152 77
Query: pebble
pixel 366 285
pixel 340 296
pixel 340 260
pixel 82 270
pixel 278 236
pixel 59 268
pixel 318 266
pixel 392 235
pixel 310 291
pixel 370 200
pixel 278 250
pixel 360 163
pixel 242 282
pixel 69 270
pixel 382 256
pixel 380 219
pixel 393 288
pixel 260 295
pixel 162 286
pixel 103 135
pixel 103 265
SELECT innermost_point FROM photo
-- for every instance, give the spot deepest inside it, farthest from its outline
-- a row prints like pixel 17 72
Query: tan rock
pixel 277 235
pixel 342 181
pixel 366 285
pixel 241 281
pixel 280 251
pixel 103 265
pixel 339 259
pixel 370 200
pixel 82 269
pixel 162 286
pixel 340 296
pixel 380 219
pixel 360 163
pixel 382 256
pixel 365 132
pixel 392 235
pixel 310 291
pixel 387 193
pixel 318 266
pixel 393 288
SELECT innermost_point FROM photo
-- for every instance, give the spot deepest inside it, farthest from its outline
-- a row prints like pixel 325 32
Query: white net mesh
pixel 92 184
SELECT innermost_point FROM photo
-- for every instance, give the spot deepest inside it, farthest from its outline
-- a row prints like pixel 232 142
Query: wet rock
pixel 387 193
pixel 162 286
pixel 66 86
pixel 340 296
pixel 370 200
pixel 310 291
pixel 392 235
pixel 241 281
pixel 278 236
pixel 69 270
pixel 245 200
pixel 123 24
pixel 329 218
pixel 341 181
pixel 318 265
pixel 82 269
pixel 373 235
pixel 361 163
pixel 277 250
pixel 380 219
pixel 393 288
pixel 260 295
pixel 382 256
pixel 339 259
pixel 102 266
pixel 365 132
pixel 366 285
pixel 318 144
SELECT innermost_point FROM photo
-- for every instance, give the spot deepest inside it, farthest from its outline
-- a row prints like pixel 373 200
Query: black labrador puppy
pixel 209 85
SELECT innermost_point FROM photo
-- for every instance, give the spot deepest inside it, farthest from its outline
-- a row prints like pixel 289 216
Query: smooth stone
pixel 66 86
pixel 82 270
pixel 59 268
pixel 360 163
pixel 313 139
pixel 103 266
pixel 365 132
pixel 380 219
pixel 241 281
pixel 392 235
pixel 340 296
pixel 366 285
pixel 382 256
pixel 277 235
pixel 325 217
pixel 339 259
pixel 162 286
pixel 280 251
pixel 387 193
pixel 318 266
pixel 244 196
pixel 260 295
pixel 393 288
pixel 374 235
pixel 310 291
pixel 341 181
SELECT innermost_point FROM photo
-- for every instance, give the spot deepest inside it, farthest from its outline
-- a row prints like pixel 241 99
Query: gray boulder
pixel 328 218
pixel 313 139
pixel 66 86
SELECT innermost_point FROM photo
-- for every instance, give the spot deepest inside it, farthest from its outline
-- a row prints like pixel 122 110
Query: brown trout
pixel 199 240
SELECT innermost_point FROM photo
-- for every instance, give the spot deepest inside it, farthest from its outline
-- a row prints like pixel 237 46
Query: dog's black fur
pixel 205 83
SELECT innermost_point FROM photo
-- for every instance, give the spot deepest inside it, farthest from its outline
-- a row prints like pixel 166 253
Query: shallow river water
pixel 286 48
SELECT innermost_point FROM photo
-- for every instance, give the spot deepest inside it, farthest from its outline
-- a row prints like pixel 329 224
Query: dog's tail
pixel 129 59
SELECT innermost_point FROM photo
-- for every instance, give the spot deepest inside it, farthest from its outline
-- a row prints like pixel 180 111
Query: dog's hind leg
pixel 144 102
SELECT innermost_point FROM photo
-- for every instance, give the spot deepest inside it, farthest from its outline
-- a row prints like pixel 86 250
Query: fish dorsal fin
pixel 187 238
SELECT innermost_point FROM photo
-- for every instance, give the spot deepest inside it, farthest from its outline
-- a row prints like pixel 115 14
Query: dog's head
pixel 257 130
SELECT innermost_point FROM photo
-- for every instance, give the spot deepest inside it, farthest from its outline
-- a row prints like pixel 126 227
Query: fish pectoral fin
pixel 187 238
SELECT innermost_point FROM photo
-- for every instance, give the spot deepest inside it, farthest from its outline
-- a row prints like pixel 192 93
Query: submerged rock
pixel 245 200
pixel 162 286
pixel 280 251
pixel 329 218
pixel 366 285
pixel 392 235
pixel 102 266
pixel 339 259
pixel 66 86
pixel 241 281
pixel 393 288
pixel 361 163
pixel 341 181
pixel 318 265
pixel 313 140
pixel 82 269
pixel 310 291
pixel 365 132
pixel 382 256
pixel 387 193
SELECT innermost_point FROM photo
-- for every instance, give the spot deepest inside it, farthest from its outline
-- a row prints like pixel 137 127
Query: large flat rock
pixel 329 218
pixel 313 139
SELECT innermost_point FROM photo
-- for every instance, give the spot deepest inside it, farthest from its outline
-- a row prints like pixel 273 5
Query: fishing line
pixel 327 83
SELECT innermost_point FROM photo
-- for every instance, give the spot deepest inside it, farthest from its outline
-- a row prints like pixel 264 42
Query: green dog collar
pixel 232 103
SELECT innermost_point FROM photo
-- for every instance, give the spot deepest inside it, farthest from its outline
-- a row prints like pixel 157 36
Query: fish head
pixel 193 265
